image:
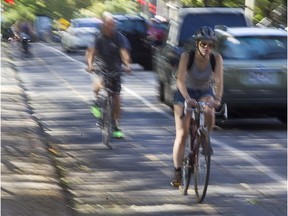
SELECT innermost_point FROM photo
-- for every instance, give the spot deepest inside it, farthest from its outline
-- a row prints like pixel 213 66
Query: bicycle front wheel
pixel 186 173
pixel 202 166
pixel 187 164
pixel 107 123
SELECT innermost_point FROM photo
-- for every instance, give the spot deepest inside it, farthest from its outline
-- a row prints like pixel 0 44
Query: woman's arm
pixel 181 77
pixel 218 77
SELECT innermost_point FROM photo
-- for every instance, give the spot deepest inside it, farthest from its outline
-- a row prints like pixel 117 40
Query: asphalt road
pixel 249 165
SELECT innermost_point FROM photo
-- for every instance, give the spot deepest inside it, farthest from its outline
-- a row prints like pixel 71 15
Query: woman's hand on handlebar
pixel 191 102
pixel 217 103
pixel 213 103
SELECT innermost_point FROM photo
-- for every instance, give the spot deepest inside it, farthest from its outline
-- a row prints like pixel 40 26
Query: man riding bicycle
pixel 111 50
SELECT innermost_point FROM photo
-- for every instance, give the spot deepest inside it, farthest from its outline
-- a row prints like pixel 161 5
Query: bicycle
pixel 105 102
pixel 197 157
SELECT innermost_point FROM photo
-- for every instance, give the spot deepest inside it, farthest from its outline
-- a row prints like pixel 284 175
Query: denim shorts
pixel 193 93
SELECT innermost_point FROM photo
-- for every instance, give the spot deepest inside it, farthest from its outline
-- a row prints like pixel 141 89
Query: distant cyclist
pixel 195 84
pixel 110 52
pixel 23 28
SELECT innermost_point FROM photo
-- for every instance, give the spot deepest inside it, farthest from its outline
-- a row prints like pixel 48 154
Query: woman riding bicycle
pixel 195 84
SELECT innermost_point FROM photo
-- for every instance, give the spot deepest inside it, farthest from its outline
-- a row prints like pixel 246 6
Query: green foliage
pixel 113 6
pixel 192 3
pixel 54 9
pixel 68 9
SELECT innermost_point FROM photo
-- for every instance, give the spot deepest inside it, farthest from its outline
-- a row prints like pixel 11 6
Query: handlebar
pixel 201 105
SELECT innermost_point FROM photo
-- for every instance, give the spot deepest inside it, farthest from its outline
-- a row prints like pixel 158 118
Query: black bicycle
pixel 105 102
pixel 197 157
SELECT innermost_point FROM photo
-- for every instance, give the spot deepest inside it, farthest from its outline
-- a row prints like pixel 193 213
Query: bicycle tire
pixel 186 174
pixel 187 166
pixel 202 166
pixel 107 126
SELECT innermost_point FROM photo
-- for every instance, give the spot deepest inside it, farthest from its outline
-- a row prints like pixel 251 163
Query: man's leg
pixel 116 108
pixel 97 85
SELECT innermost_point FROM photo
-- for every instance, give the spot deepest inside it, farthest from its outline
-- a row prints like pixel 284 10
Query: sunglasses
pixel 205 44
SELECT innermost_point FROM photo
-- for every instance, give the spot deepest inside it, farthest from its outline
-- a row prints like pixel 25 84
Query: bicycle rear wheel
pixel 202 166
pixel 107 123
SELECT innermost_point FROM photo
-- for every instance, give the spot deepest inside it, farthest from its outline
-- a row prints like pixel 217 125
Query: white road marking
pixel 261 167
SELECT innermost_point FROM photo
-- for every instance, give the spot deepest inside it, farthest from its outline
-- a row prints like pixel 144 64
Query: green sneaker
pixel 96 111
pixel 117 133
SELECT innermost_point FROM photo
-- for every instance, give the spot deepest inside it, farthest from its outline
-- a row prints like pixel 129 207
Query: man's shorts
pixel 113 82
pixel 193 93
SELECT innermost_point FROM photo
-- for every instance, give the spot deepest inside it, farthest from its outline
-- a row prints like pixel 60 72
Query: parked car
pixel 80 34
pixel 157 30
pixel 255 71
pixel 181 29
pixel 135 29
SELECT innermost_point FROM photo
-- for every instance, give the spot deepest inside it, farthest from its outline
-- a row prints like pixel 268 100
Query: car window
pixel 254 48
pixel 193 22
pixel 138 26
pixel 162 26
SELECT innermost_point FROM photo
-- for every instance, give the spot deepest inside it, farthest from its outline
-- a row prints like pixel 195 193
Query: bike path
pixel 132 178
pixel 29 181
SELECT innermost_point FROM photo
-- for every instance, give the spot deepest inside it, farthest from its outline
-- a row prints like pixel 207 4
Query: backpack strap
pixel 212 61
pixel 191 59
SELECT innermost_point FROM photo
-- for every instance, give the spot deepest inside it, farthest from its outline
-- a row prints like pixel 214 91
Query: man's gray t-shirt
pixel 108 51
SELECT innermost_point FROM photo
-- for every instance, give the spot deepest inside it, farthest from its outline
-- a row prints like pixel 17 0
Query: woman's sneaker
pixel 177 178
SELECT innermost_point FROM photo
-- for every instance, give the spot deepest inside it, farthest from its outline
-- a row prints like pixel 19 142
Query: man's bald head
pixel 108 24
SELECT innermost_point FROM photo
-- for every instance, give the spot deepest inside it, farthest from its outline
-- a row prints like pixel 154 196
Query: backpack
pixel 191 59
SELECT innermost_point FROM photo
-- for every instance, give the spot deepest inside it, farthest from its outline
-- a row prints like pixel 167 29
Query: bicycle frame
pixel 105 99
pixel 198 157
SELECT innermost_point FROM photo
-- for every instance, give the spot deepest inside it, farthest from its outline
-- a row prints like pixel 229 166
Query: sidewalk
pixel 29 182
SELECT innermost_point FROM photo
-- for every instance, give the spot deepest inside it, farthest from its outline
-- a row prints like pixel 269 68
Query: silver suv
pixel 255 70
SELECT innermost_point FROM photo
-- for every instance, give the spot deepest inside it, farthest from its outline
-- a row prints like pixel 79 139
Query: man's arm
pixel 125 57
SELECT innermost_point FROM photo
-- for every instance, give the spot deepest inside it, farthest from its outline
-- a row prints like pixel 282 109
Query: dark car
pixel 157 30
pixel 134 27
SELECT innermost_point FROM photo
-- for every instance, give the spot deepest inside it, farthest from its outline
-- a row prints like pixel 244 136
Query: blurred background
pixel 47 17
